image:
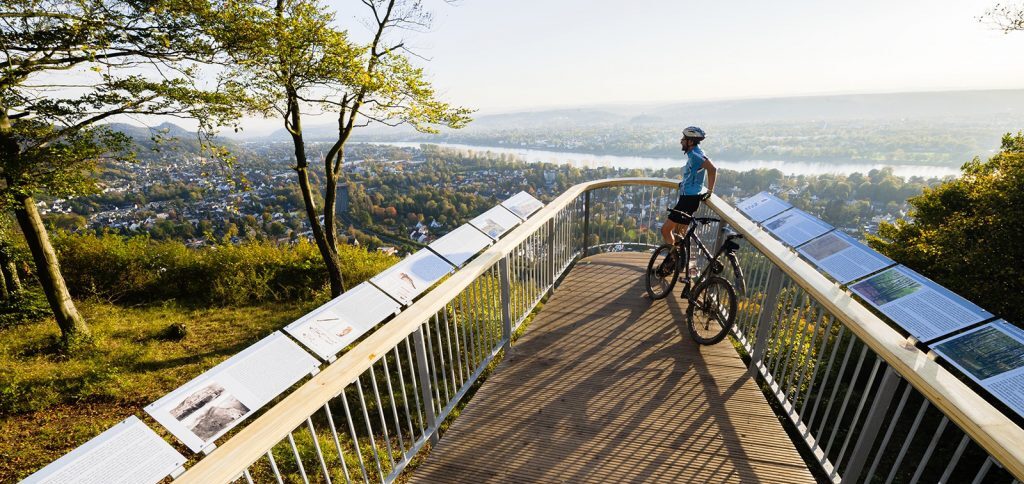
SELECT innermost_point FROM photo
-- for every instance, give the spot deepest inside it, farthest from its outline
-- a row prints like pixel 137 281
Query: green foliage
pixel 23 307
pixel 967 233
pixel 138 269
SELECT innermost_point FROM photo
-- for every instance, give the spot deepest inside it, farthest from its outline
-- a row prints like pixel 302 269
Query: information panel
pixel 922 307
pixel 795 227
pixel 333 326
pixel 461 244
pixel 763 206
pixel 523 205
pixel 495 222
pixel 127 453
pixel 412 276
pixel 993 356
pixel 843 258
pixel 203 409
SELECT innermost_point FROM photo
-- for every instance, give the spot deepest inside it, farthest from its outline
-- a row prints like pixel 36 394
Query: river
pixel 787 167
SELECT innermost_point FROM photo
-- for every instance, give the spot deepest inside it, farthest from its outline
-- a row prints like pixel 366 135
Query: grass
pixel 51 403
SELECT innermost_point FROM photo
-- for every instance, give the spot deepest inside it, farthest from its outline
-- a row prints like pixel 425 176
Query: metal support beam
pixel 872 425
pixel 425 389
pixel 586 224
pixel 764 321
pixel 506 303
pixel 551 252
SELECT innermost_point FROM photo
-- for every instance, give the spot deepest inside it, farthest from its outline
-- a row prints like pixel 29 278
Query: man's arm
pixel 712 173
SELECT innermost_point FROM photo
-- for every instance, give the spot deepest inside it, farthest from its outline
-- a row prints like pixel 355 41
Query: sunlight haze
pixel 507 56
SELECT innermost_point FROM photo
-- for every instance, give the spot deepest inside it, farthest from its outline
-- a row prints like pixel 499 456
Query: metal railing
pixel 867 406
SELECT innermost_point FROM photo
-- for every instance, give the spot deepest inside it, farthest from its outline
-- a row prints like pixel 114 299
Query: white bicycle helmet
pixel 694 132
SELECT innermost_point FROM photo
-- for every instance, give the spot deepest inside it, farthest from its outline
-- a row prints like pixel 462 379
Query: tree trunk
pixel 9 270
pixel 329 254
pixel 72 325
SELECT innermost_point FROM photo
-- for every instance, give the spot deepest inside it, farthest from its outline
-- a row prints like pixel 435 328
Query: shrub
pixel 138 269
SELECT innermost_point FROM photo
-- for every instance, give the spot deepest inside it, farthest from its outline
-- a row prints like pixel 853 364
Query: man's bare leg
pixel 666 231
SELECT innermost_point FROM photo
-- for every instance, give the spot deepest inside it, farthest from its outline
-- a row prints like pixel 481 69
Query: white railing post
pixel 764 321
pixel 551 252
pixel 425 389
pixel 873 423
pixel 586 224
pixel 506 303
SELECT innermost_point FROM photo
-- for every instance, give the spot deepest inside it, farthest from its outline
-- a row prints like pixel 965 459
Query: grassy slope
pixel 49 405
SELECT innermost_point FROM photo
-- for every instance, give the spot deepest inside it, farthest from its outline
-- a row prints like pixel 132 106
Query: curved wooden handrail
pixel 995 432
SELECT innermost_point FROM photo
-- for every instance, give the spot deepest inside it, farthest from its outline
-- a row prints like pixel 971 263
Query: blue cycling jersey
pixel 693 173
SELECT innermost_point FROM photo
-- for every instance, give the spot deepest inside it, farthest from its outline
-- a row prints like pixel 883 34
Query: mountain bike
pixel 711 308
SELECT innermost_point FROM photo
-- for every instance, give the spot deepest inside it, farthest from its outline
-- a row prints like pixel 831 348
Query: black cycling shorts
pixel 687 204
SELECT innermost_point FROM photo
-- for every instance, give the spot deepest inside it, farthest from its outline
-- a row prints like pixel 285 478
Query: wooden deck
pixel 606 386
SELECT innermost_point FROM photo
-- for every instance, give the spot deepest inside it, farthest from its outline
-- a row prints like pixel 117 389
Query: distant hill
pixel 920 106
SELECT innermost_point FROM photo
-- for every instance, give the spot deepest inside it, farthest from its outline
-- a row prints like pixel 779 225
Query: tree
pixel 69 65
pixel 1008 18
pixel 289 54
pixel 966 233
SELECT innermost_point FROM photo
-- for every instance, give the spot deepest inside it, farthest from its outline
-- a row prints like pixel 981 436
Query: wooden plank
pixel 608 387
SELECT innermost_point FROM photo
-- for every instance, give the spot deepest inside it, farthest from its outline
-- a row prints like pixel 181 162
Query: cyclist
pixel 691 188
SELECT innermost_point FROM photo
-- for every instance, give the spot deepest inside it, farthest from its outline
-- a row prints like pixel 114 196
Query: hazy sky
pixel 501 55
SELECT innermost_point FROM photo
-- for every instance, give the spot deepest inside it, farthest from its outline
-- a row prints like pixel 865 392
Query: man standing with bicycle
pixel 691 188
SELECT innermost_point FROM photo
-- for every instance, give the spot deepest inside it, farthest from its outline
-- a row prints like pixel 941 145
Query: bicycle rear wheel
pixel 711 310
pixel 662 271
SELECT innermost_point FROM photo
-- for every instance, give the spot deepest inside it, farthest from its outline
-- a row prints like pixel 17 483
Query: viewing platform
pixel 584 379
pixel 607 386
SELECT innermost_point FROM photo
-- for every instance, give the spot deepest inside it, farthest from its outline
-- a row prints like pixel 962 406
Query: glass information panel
pixel 412 276
pixel 127 453
pixel 795 227
pixel 923 308
pixel 843 257
pixel 993 356
pixel 203 409
pixel 333 326
pixel 461 244
pixel 763 206
pixel 495 222
pixel 523 205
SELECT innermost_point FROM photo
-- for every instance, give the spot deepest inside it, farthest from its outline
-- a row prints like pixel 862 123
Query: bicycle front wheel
pixel 662 271
pixel 711 310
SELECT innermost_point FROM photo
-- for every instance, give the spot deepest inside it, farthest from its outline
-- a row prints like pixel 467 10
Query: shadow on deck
pixel 606 386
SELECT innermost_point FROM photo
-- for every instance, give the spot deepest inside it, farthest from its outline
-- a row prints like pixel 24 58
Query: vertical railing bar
pixel 369 426
pixel 823 347
pixel 765 316
pixel 440 355
pixel 889 430
pixel 955 459
pixel 785 324
pixel 394 406
pixel 458 321
pixel 380 415
pixel 298 458
pixel 586 223
pixel 432 364
pixel 319 452
pixel 429 410
pixel 405 397
pixel 927 457
pixel 355 438
pixel 906 441
pixel 337 441
pixel 420 417
pixel 487 290
pixel 273 466
pixel 784 362
pixel 828 371
pixel 458 351
pixel 793 363
pixel 819 312
pixel 248 477
pixel 846 398
pixel 860 408
pixel 983 471
pixel 474 317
